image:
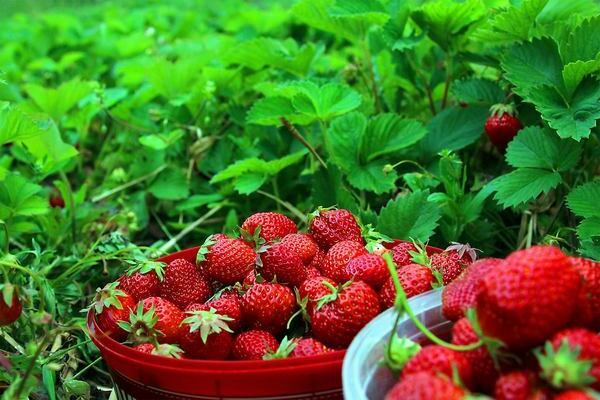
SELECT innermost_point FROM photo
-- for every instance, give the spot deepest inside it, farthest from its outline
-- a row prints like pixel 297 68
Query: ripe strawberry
pixel 460 294
pixel 168 318
pixel 56 200
pixel 268 306
pixel 250 279
pixel 449 264
pixel 312 272
pixel 226 260
pixel 571 359
pixel 425 386
pixel 206 335
pixel 515 385
pixel 163 349
pixel 283 264
pixel 309 347
pixel 314 289
pixel 228 304
pixel 339 315
pixel 318 259
pixel 10 304
pixel 532 296
pixel 112 305
pixel 329 227
pixel 502 126
pixel 401 254
pixel 143 279
pixel 480 360
pixel 302 244
pixel 254 345
pixel 272 225
pixel 414 278
pixel 338 256
pixel 573 394
pixel 369 268
pixel 183 284
pixel 587 313
pixel 439 360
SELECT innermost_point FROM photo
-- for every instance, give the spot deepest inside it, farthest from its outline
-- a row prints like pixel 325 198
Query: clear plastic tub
pixel 363 375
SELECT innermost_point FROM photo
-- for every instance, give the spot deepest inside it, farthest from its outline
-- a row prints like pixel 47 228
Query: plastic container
pixel 141 376
pixel 364 378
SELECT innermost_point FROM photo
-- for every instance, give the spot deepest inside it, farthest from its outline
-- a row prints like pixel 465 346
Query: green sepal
pixel 205 249
pixel 141 325
pixel 207 322
pixel 283 351
pixel 562 368
pixel 399 351
pixel 108 296
pixel 146 266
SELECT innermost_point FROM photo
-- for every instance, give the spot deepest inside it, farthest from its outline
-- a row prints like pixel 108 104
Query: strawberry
pixel 143 279
pixel 268 306
pixel 318 259
pixel 272 225
pixel 502 125
pixel 112 305
pixel 370 268
pixel 168 318
pixel 515 385
pixel 460 294
pixel 302 244
pixel 163 349
pixel 449 264
pixel 532 296
pixel 254 345
pixel 205 335
pixel 228 304
pixel 282 263
pixel 329 227
pixel 56 200
pixel 571 359
pixel 10 304
pixel 425 386
pixel 414 278
pixel 314 289
pixel 480 360
pixel 226 260
pixel 343 312
pixel 312 272
pixel 309 347
pixel 183 284
pixel 439 360
pixel 338 256
pixel 587 313
pixel 401 254
pixel 250 279
pixel 574 394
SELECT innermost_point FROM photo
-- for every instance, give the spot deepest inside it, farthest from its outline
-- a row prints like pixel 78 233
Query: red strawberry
pixel 532 296
pixel 254 345
pixel 205 335
pixel 338 256
pixel 309 347
pixel 272 225
pixel 515 385
pixel 439 360
pixel 502 126
pixel 302 244
pixel 329 227
pixel 168 318
pixel 250 279
pixel 340 314
pixel 587 313
pixel 460 294
pixel 572 359
pixel 480 360
pixel 312 272
pixel 425 386
pixel 573 394
pixel 183 284
pixel 282 263
pixel 10 304
pixel 318 259
pixel 401 254
pixel 56 200
pixel 143 279
pixel 226 260
pixel 369 268
pixel 111 306
pixel 164 349
pixel 414 278
pixel 449 264
pixel 268 306
pixel 229 304
pixel 314 289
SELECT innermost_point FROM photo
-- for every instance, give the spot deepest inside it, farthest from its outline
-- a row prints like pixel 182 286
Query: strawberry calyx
pixel 207 322
pixel 167 350
pixel 497 110
pixel 562 368
pixel 146 267
pixel 399 351
pixel 8 293
pixel 302 310
pixel 108 296
pixel 319 211
pixel 331 297
pixel 205 249
pixel 374 239
pixel 420 256
pixel 254 238
pixel 141 326
pixel 283 351
pixel 463 249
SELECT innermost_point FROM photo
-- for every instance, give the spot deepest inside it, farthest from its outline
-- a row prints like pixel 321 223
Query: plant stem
pixel 371 69
pixel 299 214
pixel 448 80
pixel 129 184
pixel 172 242
pixel 6 237
pixel 30 367
pixel 72 209
pixel 298 136
pixel 81 371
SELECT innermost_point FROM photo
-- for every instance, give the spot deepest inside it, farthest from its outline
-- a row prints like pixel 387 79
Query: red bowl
pixel 140 375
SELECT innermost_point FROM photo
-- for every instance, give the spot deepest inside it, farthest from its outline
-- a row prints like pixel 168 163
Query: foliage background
pixel 159 123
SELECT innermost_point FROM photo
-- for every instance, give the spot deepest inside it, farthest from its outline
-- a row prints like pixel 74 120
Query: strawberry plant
pixel 129 130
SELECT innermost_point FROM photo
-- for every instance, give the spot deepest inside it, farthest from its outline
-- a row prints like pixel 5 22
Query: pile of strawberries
pixel 525 327
pixel 271 293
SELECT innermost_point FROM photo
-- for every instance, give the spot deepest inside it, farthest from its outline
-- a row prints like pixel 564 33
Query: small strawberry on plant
pixel 111 306
pixel 10 304
pixel 502 125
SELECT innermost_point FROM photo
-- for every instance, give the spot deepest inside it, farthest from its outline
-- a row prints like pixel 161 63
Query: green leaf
pixel 477 90
pixel 580 54
pixel 409 217
pixel 343 139
pixel 454 128
pixel 198 200
pixel 327 101
pixel 524 184
pixel 583 200
pixel 589 228
pixel 267 111
pixel 363 12
pixel 57 102
pixel 171 184
pixel 250 182
pixel 574 118
pixel 514 23
pixel 162 140
pixel 18 196
pixel 388 133
pixel 16 125
pixel 372 178
pixel 535 147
